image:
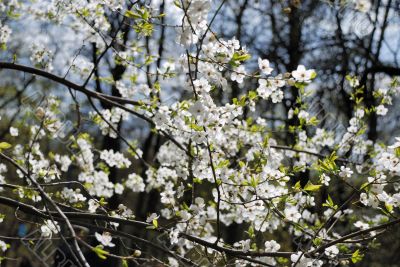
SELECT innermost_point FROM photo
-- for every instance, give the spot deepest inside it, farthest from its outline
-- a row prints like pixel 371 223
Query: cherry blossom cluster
pixel 219 162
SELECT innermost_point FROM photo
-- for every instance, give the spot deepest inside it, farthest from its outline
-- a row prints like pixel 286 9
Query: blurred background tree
pixel 333 37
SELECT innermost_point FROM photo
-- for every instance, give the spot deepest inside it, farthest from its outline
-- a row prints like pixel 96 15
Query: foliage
pixel 219 162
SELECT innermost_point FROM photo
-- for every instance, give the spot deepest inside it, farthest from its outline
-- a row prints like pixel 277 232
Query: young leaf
pixel 4 145
pixel 356 256
pixel 312 187
pixel 155 223
pixel 101 253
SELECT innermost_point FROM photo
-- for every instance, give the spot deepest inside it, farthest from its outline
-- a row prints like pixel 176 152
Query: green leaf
pixel 313 121
pixel 313 75
pixel 329 203
pixel 197 180
pixel 101 253
pixel 144 28
pixel 102 201
pixel 177 4
pixel 223 164
pixel 155 223
pixel 242 164
pixel 254 181
pixel 4 145
pixel 252 95
pixel 298 168
pixel 196 127
pixel 124 263
pixel 317 241
pixel 132 15
pixel 397 151
pixel 389 207
pixel 297 185
pixel 240 57
pixel 356 256
pixel 312 187
pixel 328 164
pixel 250 232
pixel 364 185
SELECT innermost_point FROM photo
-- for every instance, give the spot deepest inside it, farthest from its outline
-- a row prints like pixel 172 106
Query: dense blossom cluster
pixel 5 33
pixel 194 20
pixel 225 147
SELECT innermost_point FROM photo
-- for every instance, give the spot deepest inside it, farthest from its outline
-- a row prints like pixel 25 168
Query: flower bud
pixel 40 112
pixel 137 253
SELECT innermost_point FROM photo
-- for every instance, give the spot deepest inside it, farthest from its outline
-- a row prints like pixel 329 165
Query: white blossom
pixel 345 172
pixel 105 239
pixel 49 228
pixel 302 75
pixel 3 246
pixel 263 64
pixel 14 131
